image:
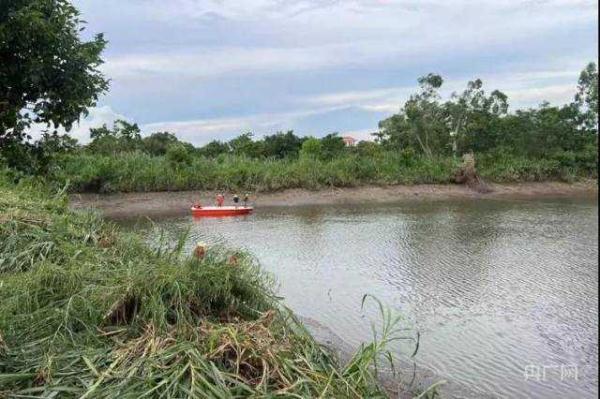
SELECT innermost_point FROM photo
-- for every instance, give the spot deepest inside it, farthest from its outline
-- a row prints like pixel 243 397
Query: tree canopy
pixel 476 121
pixel 48 74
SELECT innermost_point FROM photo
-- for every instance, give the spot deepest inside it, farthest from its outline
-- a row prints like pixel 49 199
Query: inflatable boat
pixel 221 210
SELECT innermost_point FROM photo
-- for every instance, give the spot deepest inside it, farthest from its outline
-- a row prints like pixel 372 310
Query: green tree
pixel 544 131
pixel 586 99
pixel 471 116
pixel 178 155
pixel 47 73
pixel 332 146
pixel 121 129
pixel 421 124
pixel 158 142
pixel 214 149
pixel 245 145
pixel 282 145
pixel 54 143
pixel 368 149
pixel 122 137
pixel 312 148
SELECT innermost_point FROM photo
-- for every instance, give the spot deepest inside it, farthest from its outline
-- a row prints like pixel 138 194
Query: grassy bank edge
pixel 140 172
pixel 88 311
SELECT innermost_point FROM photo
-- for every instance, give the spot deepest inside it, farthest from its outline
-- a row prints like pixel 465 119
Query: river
pixel 504 293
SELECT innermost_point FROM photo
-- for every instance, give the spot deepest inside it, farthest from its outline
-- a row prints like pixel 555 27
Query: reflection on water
pixel 504 293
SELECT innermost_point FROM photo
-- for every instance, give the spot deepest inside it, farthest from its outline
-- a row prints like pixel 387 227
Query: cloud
pixel 81 130
pixel 210 62
pixel 215 68
pixel 201 131
pixel 524 88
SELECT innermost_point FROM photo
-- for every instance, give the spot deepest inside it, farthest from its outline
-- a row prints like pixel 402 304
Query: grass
pixel 140 172
pixel 88 311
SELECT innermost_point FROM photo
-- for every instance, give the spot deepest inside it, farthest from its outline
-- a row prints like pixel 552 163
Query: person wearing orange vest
pixel 220 199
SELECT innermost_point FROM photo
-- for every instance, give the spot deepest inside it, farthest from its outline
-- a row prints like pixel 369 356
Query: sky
pixel 213 69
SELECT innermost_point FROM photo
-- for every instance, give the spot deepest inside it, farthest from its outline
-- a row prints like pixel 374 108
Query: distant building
pixel 349 141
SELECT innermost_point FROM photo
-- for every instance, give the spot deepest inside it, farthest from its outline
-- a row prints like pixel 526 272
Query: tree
pixel 471 116
pixel 121 130
pixel 421 123
pixel 214 149
pixel 123 136
pixel 54 143
pixel 178 154
pixel 369 149
pixel 544 131
pixel 158 142
pixel 283 145
pixel 311 148
pixel 586 99
pixel 244 145
pixel 47 73
pixel 332 146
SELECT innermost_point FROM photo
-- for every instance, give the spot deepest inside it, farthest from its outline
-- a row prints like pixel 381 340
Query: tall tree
pixel 47 73
pixel 123 136
pixel 471 116
pixel 282 145
pixel 214 149
pixel 421 123
pixel 158 143
pixel 245 145
pixel 332 146
pixel 586 98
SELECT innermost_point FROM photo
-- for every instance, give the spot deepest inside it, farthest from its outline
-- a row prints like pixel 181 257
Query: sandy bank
pixel 161 203
pixel 177 202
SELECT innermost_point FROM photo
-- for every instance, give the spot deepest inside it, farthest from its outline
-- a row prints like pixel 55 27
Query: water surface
pixel 503 292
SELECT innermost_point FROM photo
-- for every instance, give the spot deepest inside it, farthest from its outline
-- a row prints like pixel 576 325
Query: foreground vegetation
pixel 86 311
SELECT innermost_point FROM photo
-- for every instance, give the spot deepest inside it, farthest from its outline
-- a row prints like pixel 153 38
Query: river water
pixel 504 293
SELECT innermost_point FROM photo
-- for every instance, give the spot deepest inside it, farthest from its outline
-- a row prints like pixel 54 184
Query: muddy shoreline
pixel 178 202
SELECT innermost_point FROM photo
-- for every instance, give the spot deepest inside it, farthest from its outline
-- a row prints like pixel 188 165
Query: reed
pixel 140 172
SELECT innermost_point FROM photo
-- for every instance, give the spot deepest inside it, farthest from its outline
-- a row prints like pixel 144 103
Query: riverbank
pixel 135 172
pixel 87 310
pixel 178 202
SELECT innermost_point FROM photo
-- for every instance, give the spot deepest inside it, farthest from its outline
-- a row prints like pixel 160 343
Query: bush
pixel 181 170
pixel 177 155
pixel 312 149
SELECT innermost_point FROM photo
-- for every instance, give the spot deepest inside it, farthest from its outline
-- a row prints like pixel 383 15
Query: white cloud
pixel 81 130
pixel 167 60
pixel 201 131
pixel 211 62
pixel 524 89
pixel 339 34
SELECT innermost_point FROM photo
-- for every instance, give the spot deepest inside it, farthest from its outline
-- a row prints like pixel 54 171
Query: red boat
pixel 202 211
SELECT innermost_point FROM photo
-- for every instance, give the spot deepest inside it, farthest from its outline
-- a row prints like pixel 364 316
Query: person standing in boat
pixel 236 200
pixel 220 199
pixel 246 198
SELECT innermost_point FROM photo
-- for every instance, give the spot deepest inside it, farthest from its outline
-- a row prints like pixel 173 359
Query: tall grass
pixel 87 311
pixel 140 172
